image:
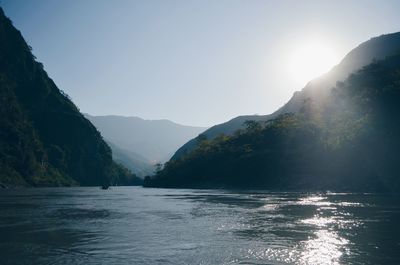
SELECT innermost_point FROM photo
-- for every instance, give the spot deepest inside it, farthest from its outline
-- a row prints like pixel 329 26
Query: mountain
pixel 154 140
pixel 44 139
pixel 374 49
pixel 345 137
pixel 136 163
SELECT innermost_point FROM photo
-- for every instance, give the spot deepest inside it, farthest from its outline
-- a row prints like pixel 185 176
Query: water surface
pixel 132 225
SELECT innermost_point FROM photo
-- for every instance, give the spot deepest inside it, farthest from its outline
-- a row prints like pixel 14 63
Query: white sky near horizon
pixel 197 63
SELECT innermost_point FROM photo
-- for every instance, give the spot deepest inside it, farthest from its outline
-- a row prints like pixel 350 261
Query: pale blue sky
pixel 193 62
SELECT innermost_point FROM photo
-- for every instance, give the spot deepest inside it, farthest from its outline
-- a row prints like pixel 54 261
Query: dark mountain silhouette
pixel 374 49
pixel 342 136
pixel 136 142
pixel 44 139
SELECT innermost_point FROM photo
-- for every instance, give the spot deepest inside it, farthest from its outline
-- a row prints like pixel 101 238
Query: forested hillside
pixel 318 89
pixel 44 139
pixel 351 142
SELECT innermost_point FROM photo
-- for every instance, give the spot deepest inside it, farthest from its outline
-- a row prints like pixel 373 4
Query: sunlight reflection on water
pixel 83 226
pixel 326 248
pixel 325 245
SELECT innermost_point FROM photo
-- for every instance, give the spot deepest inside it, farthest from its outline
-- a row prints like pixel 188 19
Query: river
pixel 134 225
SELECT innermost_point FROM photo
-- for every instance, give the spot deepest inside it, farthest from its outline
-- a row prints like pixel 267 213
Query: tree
pixel 252 126
pixel 201 138
pixel 158 167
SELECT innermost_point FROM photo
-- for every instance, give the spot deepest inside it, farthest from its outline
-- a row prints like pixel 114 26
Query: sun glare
pixel 310 60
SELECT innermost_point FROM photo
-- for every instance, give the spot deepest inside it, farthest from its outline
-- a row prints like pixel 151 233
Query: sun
pixel 310 60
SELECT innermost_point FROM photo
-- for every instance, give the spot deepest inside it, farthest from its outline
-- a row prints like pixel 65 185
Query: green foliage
pixel 44 139
pixel 349 142
pixel 123 176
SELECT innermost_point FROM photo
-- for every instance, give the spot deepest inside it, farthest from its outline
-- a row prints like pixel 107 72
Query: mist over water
pixel 128 225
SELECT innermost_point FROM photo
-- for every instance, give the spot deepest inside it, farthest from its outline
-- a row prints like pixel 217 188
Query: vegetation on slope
pixel 350 142
pixel 44 139
pixel 318 89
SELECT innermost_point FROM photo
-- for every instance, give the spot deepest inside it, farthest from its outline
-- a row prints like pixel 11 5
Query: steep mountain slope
pixel 136 163
pixel 155 140
pixel 374 49
pixel 351 142
pixel 44 139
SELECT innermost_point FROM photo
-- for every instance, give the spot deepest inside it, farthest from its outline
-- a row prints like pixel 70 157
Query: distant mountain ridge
pixel 138 143
pixel 136 163
pixel 374 49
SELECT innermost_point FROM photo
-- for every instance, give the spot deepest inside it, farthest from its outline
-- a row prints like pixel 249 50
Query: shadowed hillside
pixel 319 88
pixel 347 138
pixel 44 139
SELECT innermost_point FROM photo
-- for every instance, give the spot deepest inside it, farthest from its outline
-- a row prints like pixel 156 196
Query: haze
pixel 193 62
